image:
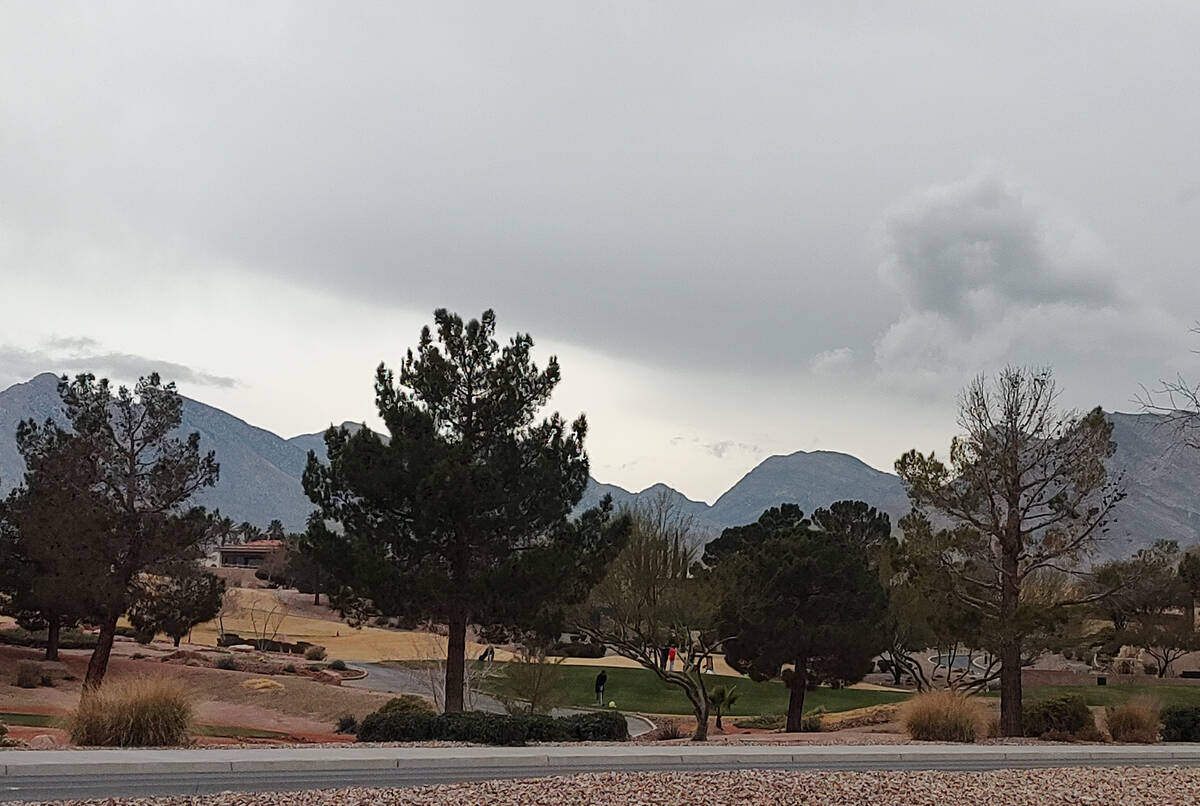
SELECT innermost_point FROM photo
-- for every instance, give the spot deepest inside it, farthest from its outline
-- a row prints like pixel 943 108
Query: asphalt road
pixel 58 775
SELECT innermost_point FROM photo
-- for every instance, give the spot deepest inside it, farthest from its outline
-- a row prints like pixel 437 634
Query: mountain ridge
pixel 260 474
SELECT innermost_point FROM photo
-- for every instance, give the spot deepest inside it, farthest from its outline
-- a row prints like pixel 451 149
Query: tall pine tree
pixel 463 514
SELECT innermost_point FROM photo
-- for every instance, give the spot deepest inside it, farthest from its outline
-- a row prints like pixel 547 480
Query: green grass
pixel 641 690
pixel 28 720
pixel 1116 695
pixel 46 720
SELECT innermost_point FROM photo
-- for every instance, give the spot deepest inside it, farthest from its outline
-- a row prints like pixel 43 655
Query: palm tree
pixel 722 699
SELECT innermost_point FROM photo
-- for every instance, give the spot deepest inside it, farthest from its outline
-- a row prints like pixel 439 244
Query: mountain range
pixel 260 474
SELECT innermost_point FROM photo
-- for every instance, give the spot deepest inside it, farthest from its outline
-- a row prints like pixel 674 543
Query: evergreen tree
pixel 806 598
pixel 129 492
pixel 174 604
pixel 463 514
pixel 53 538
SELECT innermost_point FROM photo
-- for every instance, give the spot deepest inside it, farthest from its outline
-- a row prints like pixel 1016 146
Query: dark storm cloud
pixel 72 355
pixel 688 185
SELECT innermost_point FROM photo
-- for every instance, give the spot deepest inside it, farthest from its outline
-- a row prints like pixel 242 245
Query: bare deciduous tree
pixel 1026 491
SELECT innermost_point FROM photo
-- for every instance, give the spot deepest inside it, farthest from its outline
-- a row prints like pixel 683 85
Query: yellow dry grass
pixel 339 639
pixel 262 684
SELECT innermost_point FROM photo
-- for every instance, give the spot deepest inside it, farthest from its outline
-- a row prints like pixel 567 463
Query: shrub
pixel 141 712
pixel 228 663
pixel 347 723
pixel 290 668
pixel 338 665
pixel 495 729
pixel 1181 723
pixel 596 726
pixel 46 681
pixel 407 704
pixel 763 722
pixel 1064 715
pixel 67 639
pixel 942 716
pixel 1136 721
pixel 577 649
pixel 314 653
pixel 397 727
pixel 671 729
pixel 811 721
pixel 28 674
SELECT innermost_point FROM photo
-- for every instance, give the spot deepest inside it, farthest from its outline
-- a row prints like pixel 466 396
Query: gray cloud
pixel 680 189
pixel 17 364
pixel 981 246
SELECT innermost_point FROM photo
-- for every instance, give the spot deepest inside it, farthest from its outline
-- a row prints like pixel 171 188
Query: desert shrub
pixel 140 712
pixel 1135 721
pixel 338 665
pixel 1181 723
pixel 763 722
pixel 407 704
pixel 1064 715
pixel 811 721
pixel 314 653
pixel 671 729
pixel 942 716
pixel 347 723
pixel 228 663
pixel 290 668
pixel 480 727
pixel 46 681
pixel 28 674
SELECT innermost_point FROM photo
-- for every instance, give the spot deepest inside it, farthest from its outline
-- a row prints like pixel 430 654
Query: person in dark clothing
pixel 601 679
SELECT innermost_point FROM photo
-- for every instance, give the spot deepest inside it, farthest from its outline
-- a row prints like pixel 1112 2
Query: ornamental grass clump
pixel 1136 721
pixel 138 712
pixel 943 716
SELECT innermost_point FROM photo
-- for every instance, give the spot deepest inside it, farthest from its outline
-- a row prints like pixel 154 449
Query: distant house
pixel 254 554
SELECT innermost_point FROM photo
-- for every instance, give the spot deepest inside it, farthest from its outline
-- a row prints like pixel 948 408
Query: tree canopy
pixel 463 514
pixel 128 495
pixel 803 602
pixel 1026 494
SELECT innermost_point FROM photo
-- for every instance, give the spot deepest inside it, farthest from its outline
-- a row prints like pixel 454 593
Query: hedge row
pixel 1181 723
pixel 497 729
pixel 1067 714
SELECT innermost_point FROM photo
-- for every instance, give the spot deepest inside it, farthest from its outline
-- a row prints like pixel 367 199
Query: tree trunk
pixel 176 638
pixel 796 690
pixel 317 596
pixel 719 727
pixel 700 708
pixel 456 653
pixel 98 664
pixel 1010 647
pixel 1010 689
pixel 53 627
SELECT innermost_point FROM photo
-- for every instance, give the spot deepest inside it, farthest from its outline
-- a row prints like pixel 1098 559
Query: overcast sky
pixel 744 228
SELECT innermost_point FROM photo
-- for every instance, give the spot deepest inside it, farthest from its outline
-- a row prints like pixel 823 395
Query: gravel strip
pixel 1129 786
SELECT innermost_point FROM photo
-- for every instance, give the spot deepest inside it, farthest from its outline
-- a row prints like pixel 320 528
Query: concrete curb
pixel 564 759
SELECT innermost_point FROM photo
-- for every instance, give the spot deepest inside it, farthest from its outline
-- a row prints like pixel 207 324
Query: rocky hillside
pixel 260 475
